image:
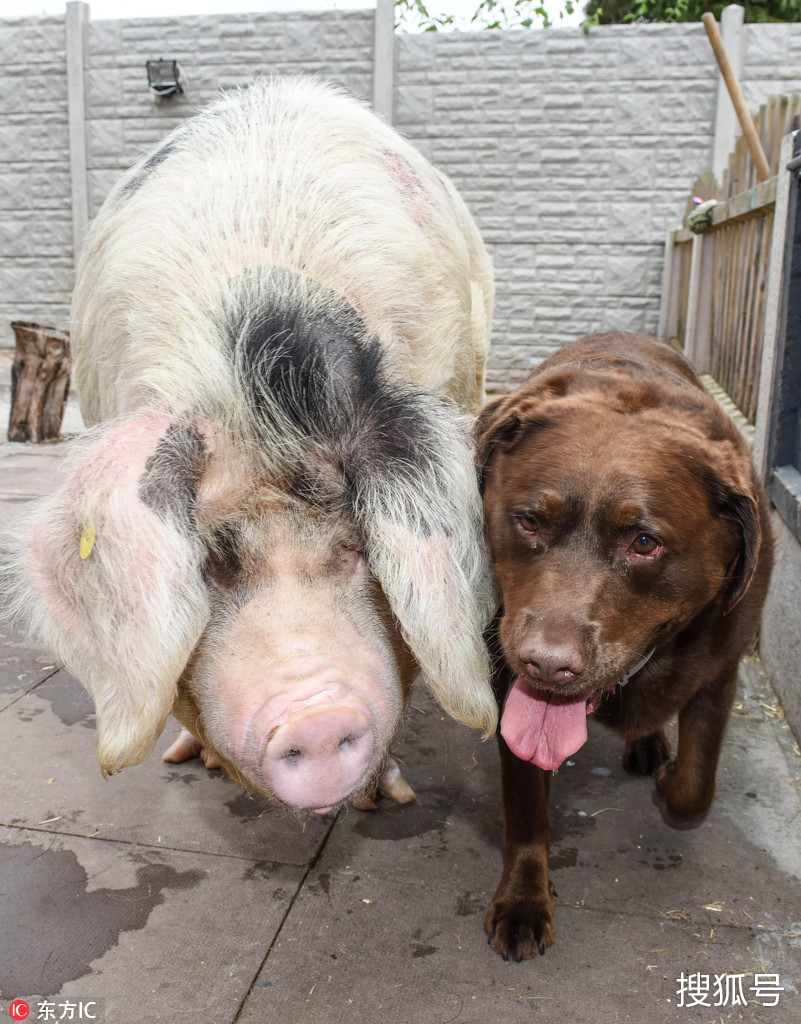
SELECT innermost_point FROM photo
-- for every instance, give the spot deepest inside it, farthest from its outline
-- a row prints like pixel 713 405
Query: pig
pixel 280 325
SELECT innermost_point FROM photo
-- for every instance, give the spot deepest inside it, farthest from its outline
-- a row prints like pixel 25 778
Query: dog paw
pixel 522 929
pixel 679 809
pixel 647 755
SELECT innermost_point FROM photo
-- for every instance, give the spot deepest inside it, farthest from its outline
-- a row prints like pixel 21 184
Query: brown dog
pixel 632 544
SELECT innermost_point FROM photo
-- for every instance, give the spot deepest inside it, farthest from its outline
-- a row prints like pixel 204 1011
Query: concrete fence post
pixel 77 27
pixel 384 59
pixel 726 125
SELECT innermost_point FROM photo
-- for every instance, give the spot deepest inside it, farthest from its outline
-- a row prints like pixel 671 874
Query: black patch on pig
pixel 53 927
pixel 224 562
pixel 307 363
pixel 169 483
pixel 299 350
pixel 146 169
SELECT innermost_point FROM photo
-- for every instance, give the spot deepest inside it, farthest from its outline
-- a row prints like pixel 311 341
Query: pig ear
pixel 424 532
pixel 109 576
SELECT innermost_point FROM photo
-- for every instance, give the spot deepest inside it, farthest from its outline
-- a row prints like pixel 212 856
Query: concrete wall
pixel 35 212
pixel 121 120
pixel 575 152
pixel 780 637
pixel 215 53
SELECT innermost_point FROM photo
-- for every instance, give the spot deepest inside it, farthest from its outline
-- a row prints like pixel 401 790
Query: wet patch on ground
pixel 56 926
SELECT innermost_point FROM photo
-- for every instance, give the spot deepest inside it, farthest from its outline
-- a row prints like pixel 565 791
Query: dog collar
pixel 635 668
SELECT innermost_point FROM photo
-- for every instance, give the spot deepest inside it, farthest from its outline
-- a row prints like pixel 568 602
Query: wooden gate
pixel 717 265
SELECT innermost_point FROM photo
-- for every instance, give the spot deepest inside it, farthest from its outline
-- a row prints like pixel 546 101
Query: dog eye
pixel 527 523
pixel 645 546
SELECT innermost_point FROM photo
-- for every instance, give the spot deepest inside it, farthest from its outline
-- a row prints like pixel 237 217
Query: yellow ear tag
pixel 87 540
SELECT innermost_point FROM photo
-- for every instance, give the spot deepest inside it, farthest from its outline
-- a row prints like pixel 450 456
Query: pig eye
pixel 645 546
pixel 292 755
pixel 351 557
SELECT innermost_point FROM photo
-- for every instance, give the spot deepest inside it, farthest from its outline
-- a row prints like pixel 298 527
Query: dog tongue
pixel 543 729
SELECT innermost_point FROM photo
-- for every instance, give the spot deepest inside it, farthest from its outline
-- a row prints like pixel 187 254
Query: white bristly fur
pixel 292 174
pixel 124 619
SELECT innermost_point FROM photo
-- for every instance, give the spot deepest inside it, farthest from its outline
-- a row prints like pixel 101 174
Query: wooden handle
pixel 736 94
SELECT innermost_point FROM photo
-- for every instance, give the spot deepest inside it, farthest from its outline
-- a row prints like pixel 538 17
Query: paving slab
pixel 338 961
pixel 72 422
pixel 379 916
pixel 140 930
pixel 22 664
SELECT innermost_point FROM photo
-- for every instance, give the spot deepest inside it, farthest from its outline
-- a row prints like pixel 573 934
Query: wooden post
pixel 698 331
pixel 670 288
pixel 40 382
pixel 737 98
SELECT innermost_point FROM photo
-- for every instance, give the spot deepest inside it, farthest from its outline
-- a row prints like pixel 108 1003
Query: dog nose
pixel 551 659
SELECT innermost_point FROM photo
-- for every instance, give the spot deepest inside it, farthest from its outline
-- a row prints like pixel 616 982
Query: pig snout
pixel 301 722
pixel 319 756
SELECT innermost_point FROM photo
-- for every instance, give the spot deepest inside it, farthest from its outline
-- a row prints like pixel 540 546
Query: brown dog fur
pixel 623 514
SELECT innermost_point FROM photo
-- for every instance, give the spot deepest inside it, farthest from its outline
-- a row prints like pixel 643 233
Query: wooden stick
pixel 736 94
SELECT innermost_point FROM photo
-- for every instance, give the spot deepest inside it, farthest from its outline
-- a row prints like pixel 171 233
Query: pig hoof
pixel 210 760
pixel 185 747
pixel 393 785
pixel 363 803
pixel 188 746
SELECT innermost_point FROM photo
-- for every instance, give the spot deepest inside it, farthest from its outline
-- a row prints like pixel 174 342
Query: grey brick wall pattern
pixel 35 216
pixel 575 152
pixel 215 53
pixel 36 264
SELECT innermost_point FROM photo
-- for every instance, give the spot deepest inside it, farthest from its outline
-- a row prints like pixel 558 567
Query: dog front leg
pixel 687 784
pixel 520 921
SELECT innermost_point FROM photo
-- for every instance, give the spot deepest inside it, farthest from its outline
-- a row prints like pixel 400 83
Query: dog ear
pixel 109 576
pixel 742 509
pixel 498 424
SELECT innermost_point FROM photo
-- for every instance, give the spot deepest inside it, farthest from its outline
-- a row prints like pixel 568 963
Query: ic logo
pixel 19 1010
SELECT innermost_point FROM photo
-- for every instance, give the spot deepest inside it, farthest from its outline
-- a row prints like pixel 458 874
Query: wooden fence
pixel 718 263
